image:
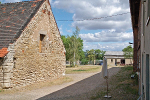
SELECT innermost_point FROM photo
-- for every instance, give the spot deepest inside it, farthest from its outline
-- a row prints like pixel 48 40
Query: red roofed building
pixel 31 49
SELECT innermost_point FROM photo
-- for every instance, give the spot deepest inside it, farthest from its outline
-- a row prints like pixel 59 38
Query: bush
pixel 84 62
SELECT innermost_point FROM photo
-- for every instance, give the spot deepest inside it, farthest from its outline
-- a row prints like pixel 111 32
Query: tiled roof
pixel 107 53
pixel 14 17
pixel 3 52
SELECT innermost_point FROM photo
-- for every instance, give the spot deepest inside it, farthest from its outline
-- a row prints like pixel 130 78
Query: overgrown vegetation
pixel 84 69
pixel 121 86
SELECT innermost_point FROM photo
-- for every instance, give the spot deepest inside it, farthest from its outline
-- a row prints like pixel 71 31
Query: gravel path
pixel 82 84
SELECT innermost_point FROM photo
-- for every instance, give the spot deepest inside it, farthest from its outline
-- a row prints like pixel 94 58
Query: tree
pixel 128 52
pixel 74 47
pixel 97 54
pixel 74 44
pixel 91 55
pixel 66 42
pixel 102 55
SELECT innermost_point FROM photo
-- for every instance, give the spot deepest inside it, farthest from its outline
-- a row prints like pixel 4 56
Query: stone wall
pixel 128 61
pixel 30 65
pixel 6 68
pixel 1 72
pixel 111 62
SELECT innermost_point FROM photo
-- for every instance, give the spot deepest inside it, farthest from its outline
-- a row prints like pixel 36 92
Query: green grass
pixel 83 69
pixel 121 86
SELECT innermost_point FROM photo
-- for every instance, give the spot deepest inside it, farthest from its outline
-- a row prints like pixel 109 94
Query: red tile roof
pixel 3 52
pixel 14 17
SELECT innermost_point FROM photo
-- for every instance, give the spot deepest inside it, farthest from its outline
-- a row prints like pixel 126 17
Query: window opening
pixel 123 61
pixel 111 60
pixel 41 42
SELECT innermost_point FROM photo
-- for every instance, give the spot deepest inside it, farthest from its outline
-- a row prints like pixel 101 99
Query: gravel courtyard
pixel 78 89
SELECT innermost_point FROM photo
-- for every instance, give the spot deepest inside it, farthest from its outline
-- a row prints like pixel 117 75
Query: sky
pixel 104 24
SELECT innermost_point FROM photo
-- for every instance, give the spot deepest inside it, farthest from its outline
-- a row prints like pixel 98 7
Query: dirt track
pixel 78 89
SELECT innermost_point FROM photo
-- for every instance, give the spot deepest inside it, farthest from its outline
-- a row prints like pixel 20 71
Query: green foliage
pixel 84 61
pixel 74 47
pixel 74 50
pixel 91 55
pixel 66 42
pixel 96 54
pixel 99 54
pixel 128 52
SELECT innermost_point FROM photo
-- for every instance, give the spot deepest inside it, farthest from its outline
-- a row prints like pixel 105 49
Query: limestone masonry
pixel 37 55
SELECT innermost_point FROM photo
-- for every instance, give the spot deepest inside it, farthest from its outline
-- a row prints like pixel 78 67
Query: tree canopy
pixel 74 50
pixel 128 52
pixel 74 47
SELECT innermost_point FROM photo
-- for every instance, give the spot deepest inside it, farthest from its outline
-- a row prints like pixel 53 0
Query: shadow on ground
pixel 81 89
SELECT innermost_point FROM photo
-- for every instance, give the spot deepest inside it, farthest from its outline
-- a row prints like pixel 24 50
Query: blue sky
pixel 109 34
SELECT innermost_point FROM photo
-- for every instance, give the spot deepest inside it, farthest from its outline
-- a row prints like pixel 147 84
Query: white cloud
pixel 107 36
pixel 50 1
pixel 69 31
pixel 106 46
pixel 88 9
pixel 60 29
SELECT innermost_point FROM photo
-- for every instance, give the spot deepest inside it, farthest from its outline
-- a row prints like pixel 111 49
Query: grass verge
pixel 83 69
pixel 121 86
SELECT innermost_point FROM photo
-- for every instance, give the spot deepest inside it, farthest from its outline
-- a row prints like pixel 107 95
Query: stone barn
pixel 31 49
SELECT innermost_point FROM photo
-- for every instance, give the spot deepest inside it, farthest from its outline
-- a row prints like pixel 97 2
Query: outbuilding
pixel 115 58
pixel 31 49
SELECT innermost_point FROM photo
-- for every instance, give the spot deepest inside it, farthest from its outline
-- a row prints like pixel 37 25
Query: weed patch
pixel 121 86
pixel 83 69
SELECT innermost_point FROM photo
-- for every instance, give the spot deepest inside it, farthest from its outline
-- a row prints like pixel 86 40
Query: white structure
pixel 116 58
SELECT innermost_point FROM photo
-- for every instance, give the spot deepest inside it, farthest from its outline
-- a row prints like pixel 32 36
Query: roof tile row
pixel 14 17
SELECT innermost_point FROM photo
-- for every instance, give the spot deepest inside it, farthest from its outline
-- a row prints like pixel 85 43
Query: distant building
pixel 31 49
pixel 116 58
